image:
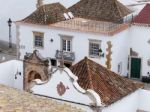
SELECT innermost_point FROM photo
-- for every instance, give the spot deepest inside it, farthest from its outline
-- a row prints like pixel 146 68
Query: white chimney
pixel 39 3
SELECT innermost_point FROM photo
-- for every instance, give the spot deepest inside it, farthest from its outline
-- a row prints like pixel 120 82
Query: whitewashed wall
pixel 144 100
pixel 127 104
pixel 72 94
pixel 18 66
pixel 80 45
pixel 139 43
pixel 8 71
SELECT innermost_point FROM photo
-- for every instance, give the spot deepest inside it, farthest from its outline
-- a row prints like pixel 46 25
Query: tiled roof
pixel 100 10
pixel 13 100
pixel 110 86
pixel 144 16
pixel 47 14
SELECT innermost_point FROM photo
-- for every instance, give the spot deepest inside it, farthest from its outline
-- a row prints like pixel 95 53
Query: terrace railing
pixel 91 26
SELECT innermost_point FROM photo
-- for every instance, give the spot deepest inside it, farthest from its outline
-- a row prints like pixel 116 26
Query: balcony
pixel 68 56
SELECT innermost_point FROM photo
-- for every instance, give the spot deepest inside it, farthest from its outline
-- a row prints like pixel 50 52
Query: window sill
pixel 91 56
pixel 38 47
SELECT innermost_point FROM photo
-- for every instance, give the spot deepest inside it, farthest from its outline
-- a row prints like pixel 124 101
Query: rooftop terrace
pixel 85 25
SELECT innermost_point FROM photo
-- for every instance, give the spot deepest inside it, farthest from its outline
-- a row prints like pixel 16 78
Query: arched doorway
pixel 35 67
pixel 33 75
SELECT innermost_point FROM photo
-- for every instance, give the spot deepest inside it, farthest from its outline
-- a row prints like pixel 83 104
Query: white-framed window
pixel 66 43
pixel 38 39
pixel 94 48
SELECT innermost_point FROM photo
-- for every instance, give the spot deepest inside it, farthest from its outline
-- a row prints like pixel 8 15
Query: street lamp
pixel 10 39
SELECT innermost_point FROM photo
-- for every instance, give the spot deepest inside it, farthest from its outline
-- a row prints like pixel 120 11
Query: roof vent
pixel 66 16
pixel 70 15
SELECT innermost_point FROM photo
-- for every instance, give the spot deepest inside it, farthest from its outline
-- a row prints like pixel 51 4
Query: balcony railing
pixel 67 56
pixel 91 26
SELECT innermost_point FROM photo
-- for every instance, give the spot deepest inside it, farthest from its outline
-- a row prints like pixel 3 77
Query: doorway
pixel 68 64
pixel 135 67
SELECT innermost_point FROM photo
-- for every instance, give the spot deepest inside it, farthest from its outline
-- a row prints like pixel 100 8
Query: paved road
pixel 6 57
pixel 7 53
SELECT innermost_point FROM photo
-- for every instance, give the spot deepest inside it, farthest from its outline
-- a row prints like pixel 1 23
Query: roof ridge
pixel 144 16
pixel 110 86
pixel 88 72
pixel 118 8
pixel 99 10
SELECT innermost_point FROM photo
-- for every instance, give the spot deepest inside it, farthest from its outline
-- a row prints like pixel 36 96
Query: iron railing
pixel 67 56
pixel 90 26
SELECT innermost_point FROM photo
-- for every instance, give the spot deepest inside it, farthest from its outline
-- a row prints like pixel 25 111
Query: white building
pixel 117 95
pixel 53 28
pixel 140 42
pixel 23 8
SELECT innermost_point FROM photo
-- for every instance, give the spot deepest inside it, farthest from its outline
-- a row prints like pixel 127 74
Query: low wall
pixel 144 100
pixel 8 70
pixel 7 73
pixel 127 104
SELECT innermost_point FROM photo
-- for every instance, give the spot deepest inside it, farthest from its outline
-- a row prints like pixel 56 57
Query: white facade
pixel 80 44
pixel 129 103
pixel 73 93
pixel 144 100
pixel 139 36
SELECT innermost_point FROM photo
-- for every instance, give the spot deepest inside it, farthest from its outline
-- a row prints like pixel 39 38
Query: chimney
pixel 39 3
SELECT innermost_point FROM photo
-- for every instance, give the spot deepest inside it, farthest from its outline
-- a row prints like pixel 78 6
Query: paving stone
pixel 13 100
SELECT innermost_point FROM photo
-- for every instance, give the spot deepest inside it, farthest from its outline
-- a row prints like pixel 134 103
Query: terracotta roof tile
pixel 110 86
pixel 100 10
pixel 144 16
pixel 47 14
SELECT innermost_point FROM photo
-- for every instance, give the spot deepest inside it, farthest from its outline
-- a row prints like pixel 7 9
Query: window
pixel 38 39
pixel 94 47
pixel 120 68
pixel 66 43
pixel 53 62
